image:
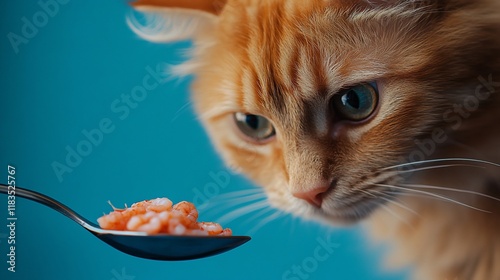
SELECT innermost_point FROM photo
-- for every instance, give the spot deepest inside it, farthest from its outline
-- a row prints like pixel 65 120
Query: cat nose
pixel 313 196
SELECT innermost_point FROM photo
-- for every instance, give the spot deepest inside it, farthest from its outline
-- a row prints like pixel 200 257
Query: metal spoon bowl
pixel 156 247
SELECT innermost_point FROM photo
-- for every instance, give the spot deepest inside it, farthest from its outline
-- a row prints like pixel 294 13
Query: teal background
pixel 63 81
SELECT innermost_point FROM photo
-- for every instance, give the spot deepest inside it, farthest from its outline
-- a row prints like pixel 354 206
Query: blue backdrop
pixel 67 68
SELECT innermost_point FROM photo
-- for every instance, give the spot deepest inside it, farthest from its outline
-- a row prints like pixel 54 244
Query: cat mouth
pixel 364 198
pixel 354 210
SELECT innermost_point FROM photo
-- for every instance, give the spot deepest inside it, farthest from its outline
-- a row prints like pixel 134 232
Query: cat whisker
pixel 230 199
pixel 414 195
pixel 243 191
pixel 179 112
pixel 265 221
pixel 400 204
pixel 228 203
pixel 469 160
pixel 432 194
pixel 368 192
pixel 439 166
pixel 259 214
pixel 223 205
pixel 390 199
pixel 236 200
pixel 362 211
pixel 450 189
pixel 243 211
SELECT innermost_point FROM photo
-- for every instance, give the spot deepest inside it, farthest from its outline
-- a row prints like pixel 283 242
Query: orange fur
pixel 284 60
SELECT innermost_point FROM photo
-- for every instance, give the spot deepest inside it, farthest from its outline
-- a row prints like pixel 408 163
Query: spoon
pixel 156 247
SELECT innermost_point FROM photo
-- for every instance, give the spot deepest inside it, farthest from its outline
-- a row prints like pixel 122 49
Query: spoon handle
pixel 50 202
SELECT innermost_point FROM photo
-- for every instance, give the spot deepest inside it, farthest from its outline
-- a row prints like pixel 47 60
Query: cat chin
pixel 334 220
pixel 333 211
pixel 348 215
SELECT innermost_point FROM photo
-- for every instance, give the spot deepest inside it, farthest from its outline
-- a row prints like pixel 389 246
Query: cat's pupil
pixel 351 98
pixel 257 128
pixel 252 121
pixel 356 103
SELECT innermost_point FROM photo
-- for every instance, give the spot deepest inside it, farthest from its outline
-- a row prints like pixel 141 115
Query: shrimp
pixel 152 227
pixel 114 220
pixel 187 209
pixel 156 205
pixel 137 221
pixel 117 220
pixel 226 232
pixel 211 228
pixel 157 216
pixel 159 205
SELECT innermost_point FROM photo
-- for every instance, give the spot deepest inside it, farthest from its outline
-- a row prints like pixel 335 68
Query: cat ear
pixel 174 20
pixel 209 6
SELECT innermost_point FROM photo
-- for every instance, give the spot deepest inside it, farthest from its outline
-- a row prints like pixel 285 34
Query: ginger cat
pixel 384 111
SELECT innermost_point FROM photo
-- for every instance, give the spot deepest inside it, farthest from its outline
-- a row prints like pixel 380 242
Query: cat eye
pixel 256 127
pixel 356 103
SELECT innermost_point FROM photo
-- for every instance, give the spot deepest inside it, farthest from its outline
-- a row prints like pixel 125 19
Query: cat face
pixel 316 100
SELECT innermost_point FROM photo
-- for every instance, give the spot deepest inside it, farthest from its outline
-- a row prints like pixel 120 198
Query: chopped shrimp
pixel 160 216
pixel 152 227
pixel 114 220
pixel 117 220
pixel 160 204
pixel 211 228
pixel 187 209
pixel 197 232
pixel 226 232
pixel 178 229
pixel 137 221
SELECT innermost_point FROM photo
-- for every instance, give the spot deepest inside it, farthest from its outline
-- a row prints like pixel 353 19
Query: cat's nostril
pixel 313 196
